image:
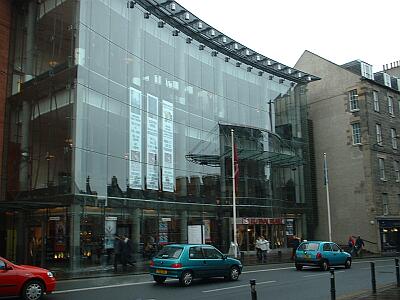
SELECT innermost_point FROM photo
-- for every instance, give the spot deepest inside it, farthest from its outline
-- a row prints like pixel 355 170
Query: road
pixel 277 281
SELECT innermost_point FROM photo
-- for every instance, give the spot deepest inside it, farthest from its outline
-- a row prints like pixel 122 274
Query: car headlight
pixel 50 274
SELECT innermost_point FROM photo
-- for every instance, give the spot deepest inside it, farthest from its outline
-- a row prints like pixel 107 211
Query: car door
pixel 327 253
pixel 338 256
pixel 197 262
pixel 8 280
pixel 215 262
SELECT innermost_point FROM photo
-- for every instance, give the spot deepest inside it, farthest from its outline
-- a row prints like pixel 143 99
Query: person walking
pixel 264 246
pixel 295 244
pixel 117 251
pixel 258 249
pixel 127 250
pixel 350 244
pixel 359 244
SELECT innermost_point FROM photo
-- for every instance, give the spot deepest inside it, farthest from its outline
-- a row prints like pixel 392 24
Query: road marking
pixel 322 274
pixel 237 286
pixel 267 270
pixel 101 287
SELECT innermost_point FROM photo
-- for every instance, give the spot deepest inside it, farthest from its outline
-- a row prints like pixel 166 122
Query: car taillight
pixel 151 263
pixel 176 266
pixel 319 255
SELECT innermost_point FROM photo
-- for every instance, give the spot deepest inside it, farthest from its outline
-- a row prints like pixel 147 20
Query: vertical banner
pixel 168 147
pixel 135 139
pixel 110 229
pixel 152 143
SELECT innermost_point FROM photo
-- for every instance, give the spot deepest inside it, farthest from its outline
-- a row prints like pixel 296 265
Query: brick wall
pixel 5 24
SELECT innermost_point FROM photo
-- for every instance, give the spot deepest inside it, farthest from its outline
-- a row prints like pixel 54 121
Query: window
pixel 390 106
pixel 335 247
pixel 379 134
pixel 366 71
pixel 386 80
pixel 195 253
pixel 396 170
pixel 393 133
pixel 2 265
pixel 211 253
pixel 381 168
pixel 385 204
pixel 376 100
pixel 353 100
pixel 170 252
pixel 327 247
pixel 356 133
pixel 309 246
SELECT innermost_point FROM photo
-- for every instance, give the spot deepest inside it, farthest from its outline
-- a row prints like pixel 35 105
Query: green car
pixel 188 261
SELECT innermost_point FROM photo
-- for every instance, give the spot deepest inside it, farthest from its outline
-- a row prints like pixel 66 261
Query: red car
pixel 26 281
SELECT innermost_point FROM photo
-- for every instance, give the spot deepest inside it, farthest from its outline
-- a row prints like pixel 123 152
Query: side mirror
pixel 8 267
pixel 224 256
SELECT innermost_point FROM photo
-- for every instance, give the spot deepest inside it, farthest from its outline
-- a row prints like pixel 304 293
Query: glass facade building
pixel 120 121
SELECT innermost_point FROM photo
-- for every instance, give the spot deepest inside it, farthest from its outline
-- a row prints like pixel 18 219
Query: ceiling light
pixel 200 25
pixel 187 16
pixel 188 40
pixel 249 69
pixel 247 52
pixel 236 46
pixel 160 24
pixel 226 58
pixel 260 73
pixel 146 15
pixel 258 57
pixel 238 64
pixel 201 47
pixel 212 32
pixel 173 6
pixel 224 39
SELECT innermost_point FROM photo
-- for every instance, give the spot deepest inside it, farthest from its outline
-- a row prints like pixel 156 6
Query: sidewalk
pixel 391 292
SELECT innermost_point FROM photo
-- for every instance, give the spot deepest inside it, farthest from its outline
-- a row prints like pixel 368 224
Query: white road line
pixel 322 274
pixel 267 270
pixel 237 286
pixel 101 287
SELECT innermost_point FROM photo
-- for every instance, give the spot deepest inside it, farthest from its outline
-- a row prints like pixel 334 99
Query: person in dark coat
pixel 358 246
pixel 295 244
pixel 117 251
pixel 127 251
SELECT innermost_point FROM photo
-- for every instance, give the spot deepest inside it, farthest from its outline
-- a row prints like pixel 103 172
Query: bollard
pixel 333 289
pixel 396 261
pixel 373 281
pixel 253 289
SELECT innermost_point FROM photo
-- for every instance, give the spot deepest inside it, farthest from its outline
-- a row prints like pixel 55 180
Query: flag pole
pixel 327 197
pixel 234 195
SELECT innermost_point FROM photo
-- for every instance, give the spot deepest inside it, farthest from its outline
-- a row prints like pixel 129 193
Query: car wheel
pixel 324 265
pixel 186 278
pixel 159 279
pixel 234 273
pixel 33 290
pixel 299 267
pixel 347 264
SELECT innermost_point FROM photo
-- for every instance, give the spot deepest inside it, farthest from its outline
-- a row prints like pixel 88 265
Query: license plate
pixel 164 272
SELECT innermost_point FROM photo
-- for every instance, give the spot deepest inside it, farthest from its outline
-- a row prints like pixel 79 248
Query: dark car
pixel 188 261
pixel 321 254
pixel 29 282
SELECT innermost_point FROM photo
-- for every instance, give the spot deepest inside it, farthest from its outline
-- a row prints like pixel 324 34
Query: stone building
pixel 356 122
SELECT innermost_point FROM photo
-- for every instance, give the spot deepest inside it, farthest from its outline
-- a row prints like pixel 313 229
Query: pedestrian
pixel 264 246
pixel 295 244
pixel 350 244
pixel 117 251
pixel 127 249
pixel 258 249
pixel 359 244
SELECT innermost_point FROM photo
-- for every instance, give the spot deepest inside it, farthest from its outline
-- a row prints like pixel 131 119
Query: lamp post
pixel 234 195
pixel 326 181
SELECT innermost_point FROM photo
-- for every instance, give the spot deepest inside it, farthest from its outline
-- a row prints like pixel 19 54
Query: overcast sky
pixel 338 30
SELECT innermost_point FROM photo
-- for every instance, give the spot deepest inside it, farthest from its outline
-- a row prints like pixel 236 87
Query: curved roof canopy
pixel 184 21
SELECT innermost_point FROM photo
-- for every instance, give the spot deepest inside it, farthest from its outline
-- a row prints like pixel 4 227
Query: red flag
pixel 236 163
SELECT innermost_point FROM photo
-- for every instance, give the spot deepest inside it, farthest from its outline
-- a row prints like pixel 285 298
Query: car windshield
pixel 170 252
pixel 309 246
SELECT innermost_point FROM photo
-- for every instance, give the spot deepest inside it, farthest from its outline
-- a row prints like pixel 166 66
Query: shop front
pixel 389 230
